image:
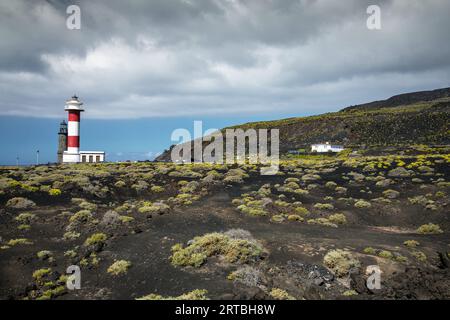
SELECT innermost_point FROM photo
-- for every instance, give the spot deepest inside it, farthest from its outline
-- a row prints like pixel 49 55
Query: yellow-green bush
pixel 196 294
pixel 280 294
pixel 119 267
pixel 429 228
pixel 54 192
pixel 96 238
pixel 340 262
pixel 212 244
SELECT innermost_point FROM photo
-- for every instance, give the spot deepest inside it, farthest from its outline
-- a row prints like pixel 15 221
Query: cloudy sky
pixel 224 61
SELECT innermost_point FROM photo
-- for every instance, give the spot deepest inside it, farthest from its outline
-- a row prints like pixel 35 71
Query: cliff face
pixel 411 118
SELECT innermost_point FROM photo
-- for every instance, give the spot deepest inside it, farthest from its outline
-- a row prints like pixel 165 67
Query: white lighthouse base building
pixel 84 156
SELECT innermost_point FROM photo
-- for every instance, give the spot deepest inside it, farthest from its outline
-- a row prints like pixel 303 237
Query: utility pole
pixel 17 160
pixel 37 157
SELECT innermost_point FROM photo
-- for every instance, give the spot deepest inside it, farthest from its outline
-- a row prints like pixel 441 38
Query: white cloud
pixel 217 57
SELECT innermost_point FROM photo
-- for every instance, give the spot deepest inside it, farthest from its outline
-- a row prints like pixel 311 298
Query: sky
pixel 144 68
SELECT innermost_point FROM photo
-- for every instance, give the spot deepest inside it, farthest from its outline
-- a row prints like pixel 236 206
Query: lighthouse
pixel 71 135
pixel 74 109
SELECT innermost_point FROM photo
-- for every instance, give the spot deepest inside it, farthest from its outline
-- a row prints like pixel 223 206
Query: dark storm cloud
pixel 177 57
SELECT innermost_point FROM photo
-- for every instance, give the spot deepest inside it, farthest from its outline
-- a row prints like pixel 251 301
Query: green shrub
pixel 400 258
pixel 419 255
pixel 429 228
pixel 196 294
pixel 385 254
pixel 277 218
pixel 125 219
pixel 295 217
pixel 20 241
pixel 40 274
pixel 71 235
pixel 54 192
pixel 280 294
pixel 25 217
pixel 20 203
pixel 96 238
pixel 82 216
pixel 362 204
pixel 322 221
pixel 369 250
pixel 324 206
pixel 24 227
pixel 157 189
pixel 338 218
pixel 88 206
pixel 119 267
pixel 44 254
pixel 349 293
pixel 302 211
pixel 211 244
pixel 340 262
pixel 331 185
pixel 120 184
pixel 411 243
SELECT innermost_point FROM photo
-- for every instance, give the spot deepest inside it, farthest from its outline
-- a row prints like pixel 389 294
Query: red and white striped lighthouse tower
pixel 73 107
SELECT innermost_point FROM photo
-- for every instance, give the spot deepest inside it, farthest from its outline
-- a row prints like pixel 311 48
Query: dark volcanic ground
pixel 292 249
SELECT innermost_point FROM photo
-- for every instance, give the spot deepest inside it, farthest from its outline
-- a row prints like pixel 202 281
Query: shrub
pixel 40 274
pixel 120 184
pixel 125 219
pixel 338 218
pixel 302 211
pixel 246 275
pixel 88 206
pixel 369 250
pixel 156 207
pixel 277 218
pixel 82 216
pixel 196 294
pixel 429 228
pixel 411 243
pixel 349 293
pixel 211 244
pixel 20 203
pixel 331 185
pixel 391 194
pixel 54 192
pixel 324 206
pixel 341 190
pixel 419 255
pixel 362 204
pixel 340 262
pixel 44 254
pixel 157 189
pixel 24 227
pixel 25 217
pixel 385 254
pixel 96 238
pixel 280 294
pixel 70 254
pixel 400 258
pixel 119 267
pixel 322 221
pixel 14 242
pixel 295 217
pixel 71 235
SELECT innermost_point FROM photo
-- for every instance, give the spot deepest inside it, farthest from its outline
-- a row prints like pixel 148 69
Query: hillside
pixel 410 118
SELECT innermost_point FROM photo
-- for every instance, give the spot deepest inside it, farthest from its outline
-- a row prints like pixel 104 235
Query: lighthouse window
pixel 83 158
pixel 91 158
pixel 97 158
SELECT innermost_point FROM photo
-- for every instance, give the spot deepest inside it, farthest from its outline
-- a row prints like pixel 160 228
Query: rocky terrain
pixel 210 231
pixel 411 118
